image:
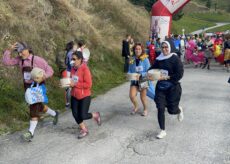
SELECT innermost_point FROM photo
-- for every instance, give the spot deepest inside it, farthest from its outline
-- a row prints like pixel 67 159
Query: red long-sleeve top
pixel 82 87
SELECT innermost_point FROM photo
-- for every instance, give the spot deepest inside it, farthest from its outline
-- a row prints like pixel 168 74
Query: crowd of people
pixel 35 71
pixel 138 61
pixel 198 50
pixel 168 56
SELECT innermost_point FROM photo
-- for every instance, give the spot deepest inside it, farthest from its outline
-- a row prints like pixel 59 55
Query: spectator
pixel 126 52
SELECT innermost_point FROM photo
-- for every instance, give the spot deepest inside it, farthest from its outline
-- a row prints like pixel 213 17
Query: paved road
pixel 202 138
pixel 209 28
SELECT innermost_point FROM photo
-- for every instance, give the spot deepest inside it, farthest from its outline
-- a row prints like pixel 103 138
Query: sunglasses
pixel 74 59
pixel 164 47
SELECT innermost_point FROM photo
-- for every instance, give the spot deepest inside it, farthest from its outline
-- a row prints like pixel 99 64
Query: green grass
pixel 211 16
pixel 220 29
pixel 107 69
pixel 13 111
pixel 221 4
pixel 189 24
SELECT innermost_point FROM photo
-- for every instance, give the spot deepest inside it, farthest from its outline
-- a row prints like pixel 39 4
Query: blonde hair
pixel 37 72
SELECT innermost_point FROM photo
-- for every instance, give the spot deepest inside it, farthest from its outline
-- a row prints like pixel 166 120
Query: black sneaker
pixel 55 121
pixel 67 106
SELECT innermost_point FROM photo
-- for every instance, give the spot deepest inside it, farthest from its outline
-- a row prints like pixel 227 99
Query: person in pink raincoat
pixel 198 56
pixel 194 57
pixel 190 46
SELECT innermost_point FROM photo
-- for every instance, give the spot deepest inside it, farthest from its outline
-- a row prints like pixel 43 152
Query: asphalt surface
pixel 202 138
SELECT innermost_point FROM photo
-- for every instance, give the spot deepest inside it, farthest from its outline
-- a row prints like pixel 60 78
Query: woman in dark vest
pixel 168 88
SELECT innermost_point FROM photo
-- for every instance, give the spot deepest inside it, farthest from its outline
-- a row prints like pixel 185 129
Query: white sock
pixel 33 125
pixel 51 112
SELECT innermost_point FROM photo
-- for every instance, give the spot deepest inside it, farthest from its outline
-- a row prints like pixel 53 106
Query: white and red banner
pixel 160 26
pixel 162 12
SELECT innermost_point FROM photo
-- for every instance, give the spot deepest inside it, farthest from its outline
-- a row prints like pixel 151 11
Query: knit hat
pixel 37 72
pixel 21 46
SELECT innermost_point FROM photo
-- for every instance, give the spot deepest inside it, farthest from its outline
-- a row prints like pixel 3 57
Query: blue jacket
pixel 143 63
pixel 68 60
pixel 177 43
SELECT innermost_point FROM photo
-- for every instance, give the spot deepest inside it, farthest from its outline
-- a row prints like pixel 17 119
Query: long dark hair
pixel 69 46
pixel 79 55
pixel 80 43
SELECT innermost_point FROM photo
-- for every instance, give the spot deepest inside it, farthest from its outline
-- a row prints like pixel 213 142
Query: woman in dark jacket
pixel 168 88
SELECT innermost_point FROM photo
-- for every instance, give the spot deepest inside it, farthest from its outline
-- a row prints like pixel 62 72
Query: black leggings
pixel 170 99
pixel 126 65
pixel 80 109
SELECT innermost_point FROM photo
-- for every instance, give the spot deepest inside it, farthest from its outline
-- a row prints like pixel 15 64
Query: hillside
pixel 220 4
pixel 197 16
pixel 47 25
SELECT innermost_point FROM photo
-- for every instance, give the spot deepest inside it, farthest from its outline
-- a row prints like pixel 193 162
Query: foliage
pixel 209 3
pixel 221 4
pixel 178 15
pixel 228 9
pixel 148 6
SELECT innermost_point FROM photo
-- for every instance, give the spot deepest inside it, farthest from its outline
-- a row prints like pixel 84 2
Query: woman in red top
pixel 81 84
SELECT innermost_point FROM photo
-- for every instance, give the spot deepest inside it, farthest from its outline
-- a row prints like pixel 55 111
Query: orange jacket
pixel 83 83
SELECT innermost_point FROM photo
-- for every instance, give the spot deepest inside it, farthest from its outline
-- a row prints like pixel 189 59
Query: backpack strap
pixel 22 62
pixel 32 62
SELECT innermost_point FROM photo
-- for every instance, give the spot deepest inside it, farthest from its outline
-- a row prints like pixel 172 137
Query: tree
pixel 138 2
pixel 178 15
pixel 209 4
pixel 148 4
pixel 228 9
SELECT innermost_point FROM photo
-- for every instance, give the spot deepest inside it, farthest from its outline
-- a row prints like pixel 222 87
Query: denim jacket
pixel 143 64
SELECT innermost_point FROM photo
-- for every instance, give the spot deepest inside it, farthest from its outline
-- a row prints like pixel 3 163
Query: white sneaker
pixel 180 116
pixel 162 134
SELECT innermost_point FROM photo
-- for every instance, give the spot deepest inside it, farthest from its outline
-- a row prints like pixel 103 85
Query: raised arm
pixel 7 60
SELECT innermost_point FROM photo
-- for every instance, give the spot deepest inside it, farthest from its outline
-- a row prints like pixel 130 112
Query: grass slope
pixel 221 4
pixel 212 16
pixel 220 29
pixel 189 24
pixel 47 25
pixel 197 16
